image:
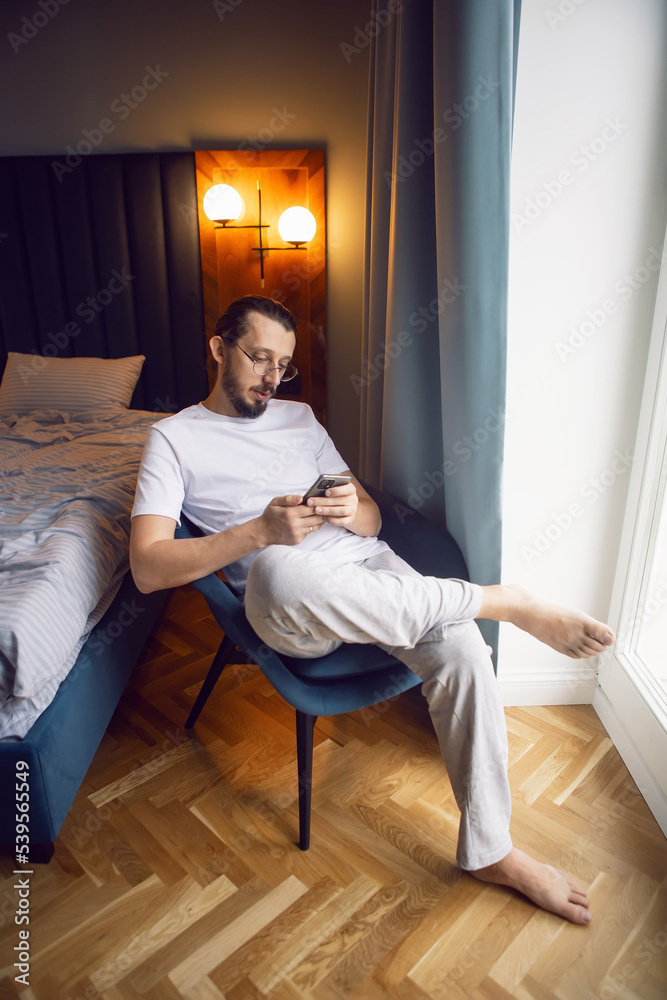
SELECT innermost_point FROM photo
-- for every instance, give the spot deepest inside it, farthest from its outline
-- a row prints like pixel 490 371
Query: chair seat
pixel 338 695
pixel 349 660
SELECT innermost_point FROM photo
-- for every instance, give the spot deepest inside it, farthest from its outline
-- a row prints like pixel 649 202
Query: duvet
pixel 67 485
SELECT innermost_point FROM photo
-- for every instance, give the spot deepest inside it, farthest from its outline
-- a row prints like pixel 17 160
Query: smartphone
pixel 324 483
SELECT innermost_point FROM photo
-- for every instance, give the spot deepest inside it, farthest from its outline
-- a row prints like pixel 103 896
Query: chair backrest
pixel 427 546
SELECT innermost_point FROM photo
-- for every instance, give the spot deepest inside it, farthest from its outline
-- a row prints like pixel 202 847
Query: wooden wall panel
pixel 297 278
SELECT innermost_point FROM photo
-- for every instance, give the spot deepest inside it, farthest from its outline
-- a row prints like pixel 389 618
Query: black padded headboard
pixel 101 258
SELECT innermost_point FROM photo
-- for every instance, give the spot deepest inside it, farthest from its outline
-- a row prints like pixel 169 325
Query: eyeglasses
pixel 262 366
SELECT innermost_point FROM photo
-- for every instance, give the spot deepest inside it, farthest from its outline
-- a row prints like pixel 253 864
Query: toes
pixel 600 634
pixel 576 908
pixel 590 642
pixel 585 648
pixel 577 914
pixel 576 891
pixel 592 649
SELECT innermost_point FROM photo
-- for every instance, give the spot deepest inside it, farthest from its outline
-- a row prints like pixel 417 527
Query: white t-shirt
pixel 223 471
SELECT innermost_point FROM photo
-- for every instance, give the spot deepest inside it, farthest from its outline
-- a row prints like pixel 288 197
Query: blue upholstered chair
pixel 355 676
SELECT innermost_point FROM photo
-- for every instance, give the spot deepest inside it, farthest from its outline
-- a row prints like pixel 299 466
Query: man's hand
pixel 286 522
pixel 338 505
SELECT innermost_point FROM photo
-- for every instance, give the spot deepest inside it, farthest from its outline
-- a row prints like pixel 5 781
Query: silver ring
pixel 310 528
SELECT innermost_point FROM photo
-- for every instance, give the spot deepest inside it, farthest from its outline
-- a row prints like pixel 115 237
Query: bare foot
pixel 550 888
pixel 570 632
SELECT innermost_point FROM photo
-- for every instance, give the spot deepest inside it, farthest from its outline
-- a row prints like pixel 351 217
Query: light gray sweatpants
pixel 300 605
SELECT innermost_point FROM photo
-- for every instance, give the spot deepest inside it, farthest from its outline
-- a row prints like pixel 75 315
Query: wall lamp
pixel 223 205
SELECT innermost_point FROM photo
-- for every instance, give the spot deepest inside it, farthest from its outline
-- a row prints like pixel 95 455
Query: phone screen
pixel 323 483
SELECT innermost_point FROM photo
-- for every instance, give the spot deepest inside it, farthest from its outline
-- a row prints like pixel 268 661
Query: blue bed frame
pixel 62 743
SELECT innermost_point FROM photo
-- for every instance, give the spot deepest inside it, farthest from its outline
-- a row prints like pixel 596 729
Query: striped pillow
pixel 33 382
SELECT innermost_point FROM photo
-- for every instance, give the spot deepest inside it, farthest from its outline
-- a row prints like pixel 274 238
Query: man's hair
pixel 234 321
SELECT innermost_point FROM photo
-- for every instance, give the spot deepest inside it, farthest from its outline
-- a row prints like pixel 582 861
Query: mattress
pixel 66 491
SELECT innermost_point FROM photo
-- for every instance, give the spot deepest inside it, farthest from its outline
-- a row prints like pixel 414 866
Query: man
pixel 316 575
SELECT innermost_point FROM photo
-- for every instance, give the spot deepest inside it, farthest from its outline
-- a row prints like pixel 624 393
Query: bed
pixel 71 622
pixel 99 273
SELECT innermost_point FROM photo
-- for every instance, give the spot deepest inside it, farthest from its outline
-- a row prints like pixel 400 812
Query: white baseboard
pixel 565 686
pixel 633 760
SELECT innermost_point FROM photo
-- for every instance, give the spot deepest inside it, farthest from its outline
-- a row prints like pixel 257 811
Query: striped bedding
pixel 66 489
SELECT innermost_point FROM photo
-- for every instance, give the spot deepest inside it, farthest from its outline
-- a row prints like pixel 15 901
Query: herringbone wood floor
pixel 176 874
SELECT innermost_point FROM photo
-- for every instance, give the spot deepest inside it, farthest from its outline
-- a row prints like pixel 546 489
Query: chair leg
pixel 304 755
pixel 220 661
pixel 41 854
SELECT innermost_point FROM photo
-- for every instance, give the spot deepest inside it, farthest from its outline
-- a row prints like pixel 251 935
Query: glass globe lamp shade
pixel 222 203
pixel 297 225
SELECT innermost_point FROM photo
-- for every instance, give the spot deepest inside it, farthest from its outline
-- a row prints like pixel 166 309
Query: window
pixel 632 695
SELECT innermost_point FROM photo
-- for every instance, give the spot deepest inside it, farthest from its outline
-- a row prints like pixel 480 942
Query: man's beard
pixel 249 411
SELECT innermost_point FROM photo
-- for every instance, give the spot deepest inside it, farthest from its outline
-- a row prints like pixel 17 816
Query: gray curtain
pixel 432 387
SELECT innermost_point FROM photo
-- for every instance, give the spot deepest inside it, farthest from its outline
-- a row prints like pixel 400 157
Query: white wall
pixel 589 204
pixel 228 67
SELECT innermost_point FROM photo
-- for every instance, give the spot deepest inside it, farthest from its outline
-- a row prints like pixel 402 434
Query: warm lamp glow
pixel 222 203
pixel 297 225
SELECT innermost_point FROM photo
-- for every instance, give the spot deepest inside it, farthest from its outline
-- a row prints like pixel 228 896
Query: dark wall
pixel 285 73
